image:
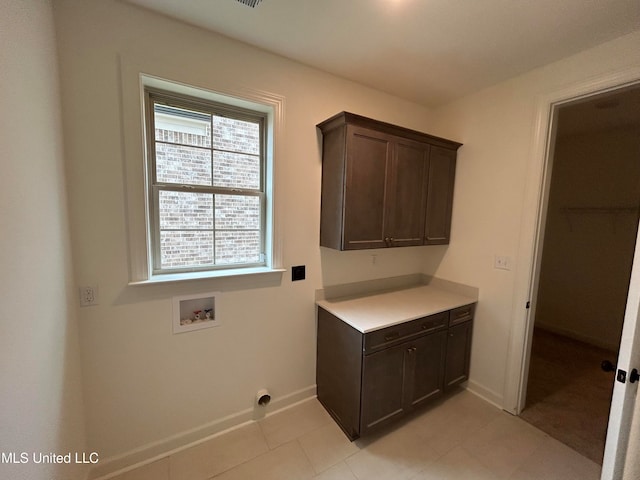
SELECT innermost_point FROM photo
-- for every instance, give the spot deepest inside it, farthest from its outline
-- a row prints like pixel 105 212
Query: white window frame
pixel 154 96
pixel 138 186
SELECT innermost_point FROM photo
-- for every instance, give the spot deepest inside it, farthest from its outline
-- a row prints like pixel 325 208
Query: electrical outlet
pixel 88 296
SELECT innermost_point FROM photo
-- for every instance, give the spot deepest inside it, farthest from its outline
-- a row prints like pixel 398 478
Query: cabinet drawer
pixel 391 335
pixel 461 314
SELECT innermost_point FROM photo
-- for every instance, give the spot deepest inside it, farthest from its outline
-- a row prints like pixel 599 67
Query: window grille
pixel 206 179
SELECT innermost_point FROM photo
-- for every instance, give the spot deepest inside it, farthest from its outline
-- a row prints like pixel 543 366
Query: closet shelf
pixel 599 210
pixel 614 212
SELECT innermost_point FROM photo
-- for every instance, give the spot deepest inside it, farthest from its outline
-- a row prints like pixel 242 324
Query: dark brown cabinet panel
pixel 442 170
pixel 380 187
pixel 426 360
pixel 368 380
pixel 407 193
pixel 401 378
pixel 368 161
pixel 458 354
pixel 339 370
pixel 382 387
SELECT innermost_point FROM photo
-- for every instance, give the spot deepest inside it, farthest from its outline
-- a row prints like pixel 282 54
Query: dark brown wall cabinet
pixel 384 185
pixel 368 380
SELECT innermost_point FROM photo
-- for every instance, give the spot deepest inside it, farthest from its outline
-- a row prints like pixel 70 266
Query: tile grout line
pixel 297 439
pixel 264 438
pixel 306 456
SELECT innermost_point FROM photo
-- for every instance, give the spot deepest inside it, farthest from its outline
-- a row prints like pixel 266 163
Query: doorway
pixel 587 253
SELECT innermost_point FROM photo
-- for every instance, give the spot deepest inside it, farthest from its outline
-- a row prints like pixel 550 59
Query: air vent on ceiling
pixel 251 3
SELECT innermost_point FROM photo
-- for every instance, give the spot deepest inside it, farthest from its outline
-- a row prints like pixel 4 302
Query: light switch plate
pixel 502 262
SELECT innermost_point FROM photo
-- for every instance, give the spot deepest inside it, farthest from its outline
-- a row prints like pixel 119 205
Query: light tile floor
pixel 460 437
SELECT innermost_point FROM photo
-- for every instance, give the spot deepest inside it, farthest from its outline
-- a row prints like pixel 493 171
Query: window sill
pixel 190 276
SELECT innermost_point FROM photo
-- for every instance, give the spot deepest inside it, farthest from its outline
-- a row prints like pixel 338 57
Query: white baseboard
pixel 151 452
pixel 494 398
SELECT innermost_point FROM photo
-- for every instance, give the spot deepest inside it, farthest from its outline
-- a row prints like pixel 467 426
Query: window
pixel 206 178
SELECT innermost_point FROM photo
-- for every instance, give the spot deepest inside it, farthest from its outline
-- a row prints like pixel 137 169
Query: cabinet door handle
pixel 391 336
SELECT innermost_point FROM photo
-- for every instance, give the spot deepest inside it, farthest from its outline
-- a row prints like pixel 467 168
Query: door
pixel 458 354
pixel 624 395
pixel 407 200
pixel 587 252
pixel 368 163
pixel 382 387
pixel 617 458
pixel 424 375
pixel 400 378
pixel 442 170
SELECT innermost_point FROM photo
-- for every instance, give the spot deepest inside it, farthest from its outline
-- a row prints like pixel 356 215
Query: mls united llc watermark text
pixel 50 457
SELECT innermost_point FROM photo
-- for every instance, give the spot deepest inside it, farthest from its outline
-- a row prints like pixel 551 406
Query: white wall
pixel 143 384
pixel 40 381
pixel 496 194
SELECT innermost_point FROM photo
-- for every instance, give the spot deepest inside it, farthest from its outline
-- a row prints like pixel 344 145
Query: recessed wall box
pixel 297 273
pixel 195 312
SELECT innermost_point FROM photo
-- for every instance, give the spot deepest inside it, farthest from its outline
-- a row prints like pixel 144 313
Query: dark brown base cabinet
pixel 368 380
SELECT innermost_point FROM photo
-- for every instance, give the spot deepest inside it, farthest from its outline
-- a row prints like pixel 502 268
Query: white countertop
pixel 372 312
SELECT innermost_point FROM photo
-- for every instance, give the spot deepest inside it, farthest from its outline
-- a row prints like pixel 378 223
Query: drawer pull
pixel 391 336
pixel 463 313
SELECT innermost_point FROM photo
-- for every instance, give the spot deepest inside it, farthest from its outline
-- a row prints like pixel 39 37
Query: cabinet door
pixel 400 378
pixel 458 354
pixel 382 387
pixel 442 170
pixel 368 160
pixel 425 361
pixel 407 193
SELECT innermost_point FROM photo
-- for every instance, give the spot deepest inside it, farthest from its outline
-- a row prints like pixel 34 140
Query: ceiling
pixel 427 51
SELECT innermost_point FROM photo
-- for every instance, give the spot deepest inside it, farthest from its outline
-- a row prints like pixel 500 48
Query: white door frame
pixel 532 227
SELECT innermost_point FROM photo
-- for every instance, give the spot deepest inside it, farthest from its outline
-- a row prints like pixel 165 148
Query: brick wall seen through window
pixel 207 188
